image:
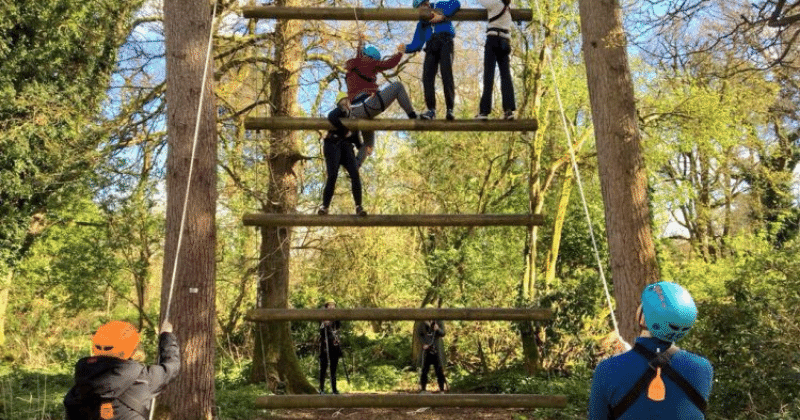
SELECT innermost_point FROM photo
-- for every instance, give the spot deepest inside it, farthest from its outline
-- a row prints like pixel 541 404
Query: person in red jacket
pixel 110 385
pixel 366 99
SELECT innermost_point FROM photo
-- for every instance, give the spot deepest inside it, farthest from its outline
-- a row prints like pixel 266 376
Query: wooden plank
pixel 379 14
pixel 381 124
pixel 400 314
pixel 412 400
pixel 392 220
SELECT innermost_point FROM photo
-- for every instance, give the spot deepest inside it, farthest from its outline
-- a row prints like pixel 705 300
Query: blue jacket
pixel 615 376
pixel 426 30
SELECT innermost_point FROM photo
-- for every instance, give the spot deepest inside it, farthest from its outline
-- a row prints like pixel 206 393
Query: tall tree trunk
pixel 274 358
pixel 622 173
pixel 191 310
pixel 5 285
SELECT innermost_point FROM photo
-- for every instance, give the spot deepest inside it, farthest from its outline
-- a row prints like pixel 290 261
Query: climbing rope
pixel 188 179
pixel 580 187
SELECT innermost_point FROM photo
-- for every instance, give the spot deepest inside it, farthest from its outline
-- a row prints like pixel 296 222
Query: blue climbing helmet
pixel 371 51
pixel 669 310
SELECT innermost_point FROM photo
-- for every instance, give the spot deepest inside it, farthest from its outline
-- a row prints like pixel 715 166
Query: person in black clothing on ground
pixel 430 334
pixel 338 151
pixel 110 385
pixel 330 350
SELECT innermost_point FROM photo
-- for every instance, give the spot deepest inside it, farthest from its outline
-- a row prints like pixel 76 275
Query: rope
pixel 580 184
pixel 189 179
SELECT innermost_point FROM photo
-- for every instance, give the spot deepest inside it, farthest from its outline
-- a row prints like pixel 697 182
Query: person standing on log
pixel 436 35
pixel 430 334
pixel 367 100
pixel 497 50
pixel 338 151
pixel 330 349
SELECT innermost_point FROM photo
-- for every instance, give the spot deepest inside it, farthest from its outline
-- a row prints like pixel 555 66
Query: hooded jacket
pixel 127 385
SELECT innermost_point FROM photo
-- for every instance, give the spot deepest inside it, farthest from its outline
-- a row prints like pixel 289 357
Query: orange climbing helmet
pixel 116 339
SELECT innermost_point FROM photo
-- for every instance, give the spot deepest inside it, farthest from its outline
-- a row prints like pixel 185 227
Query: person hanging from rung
pixel 430 335
pixel 330 349
pixel 367 100
pixel 497 52
pixel 112 384
pixel 656 379
pixel 436 36
pixel 337 148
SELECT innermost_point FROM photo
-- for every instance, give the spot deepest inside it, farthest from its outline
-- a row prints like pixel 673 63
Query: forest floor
pixel 438 413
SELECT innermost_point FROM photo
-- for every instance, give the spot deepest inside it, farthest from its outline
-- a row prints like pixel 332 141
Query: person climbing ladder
pixel 436 35
pixel 497 50
pixel 367 101
pixel 338 151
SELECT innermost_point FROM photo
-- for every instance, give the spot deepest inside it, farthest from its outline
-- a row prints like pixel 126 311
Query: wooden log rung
pixel 378 14
pixel 387 124
pixel 400 314
pixel 392 220
pixel 412 400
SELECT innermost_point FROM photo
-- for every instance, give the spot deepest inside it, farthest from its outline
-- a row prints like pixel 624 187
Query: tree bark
pixel 274 358
pixel 622 173
pixel 191 309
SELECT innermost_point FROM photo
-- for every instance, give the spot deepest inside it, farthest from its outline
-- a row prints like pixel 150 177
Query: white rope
pixel 580 184
pixel 189 179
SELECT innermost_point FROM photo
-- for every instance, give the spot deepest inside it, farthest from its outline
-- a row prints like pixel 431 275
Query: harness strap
pixel 361 75
pixel 636 390
pixel 498 30
pixel 497 16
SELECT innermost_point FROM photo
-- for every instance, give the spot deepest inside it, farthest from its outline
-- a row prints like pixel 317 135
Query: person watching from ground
pixel 430 334
pixel 330 349
pixel 436 35
pixel 367 101
pixel 111 385
pixel 655 380
pixel 338 151
pixel 497 50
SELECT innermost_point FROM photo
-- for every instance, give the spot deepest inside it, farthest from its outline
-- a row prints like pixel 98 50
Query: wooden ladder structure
pixel 459 220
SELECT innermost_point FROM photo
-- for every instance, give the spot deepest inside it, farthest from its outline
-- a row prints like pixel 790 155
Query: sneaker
pixel 322 210
pixel 482 117
pixel 321 392
pixel 508 115
pixel 450 115
pixel 429 115
pixel 360 211
pixel 335 392
pixel 423 392
pixel 412 115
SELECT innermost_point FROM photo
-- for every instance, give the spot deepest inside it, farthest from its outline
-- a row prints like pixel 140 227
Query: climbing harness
pixel 651 378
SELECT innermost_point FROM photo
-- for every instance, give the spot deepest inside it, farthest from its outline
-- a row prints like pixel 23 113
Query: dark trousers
pixel 340 153
pixel 497 51
pixel 438 55
pixel 323 367
pixel 428 360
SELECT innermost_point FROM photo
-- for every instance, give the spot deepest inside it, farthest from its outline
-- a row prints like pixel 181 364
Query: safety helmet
pixel 116 339
pixel 371 51
pixel 418 2
pixel 328 302
pixel 669 310
pixel 340 96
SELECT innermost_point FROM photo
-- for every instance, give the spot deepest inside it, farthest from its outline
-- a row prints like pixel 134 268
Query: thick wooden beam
pixel 381 124
pixel 413 400
pixel 392 220
pixel 400 314
pixel 384 14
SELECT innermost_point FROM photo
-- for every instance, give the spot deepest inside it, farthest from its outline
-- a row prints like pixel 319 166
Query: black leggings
pixel 323 367
pixel 431 359
pixel 340 153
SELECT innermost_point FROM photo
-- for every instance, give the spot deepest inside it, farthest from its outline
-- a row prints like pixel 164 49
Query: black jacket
pixel 329 338
pixel 128 385
pixel 340 132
